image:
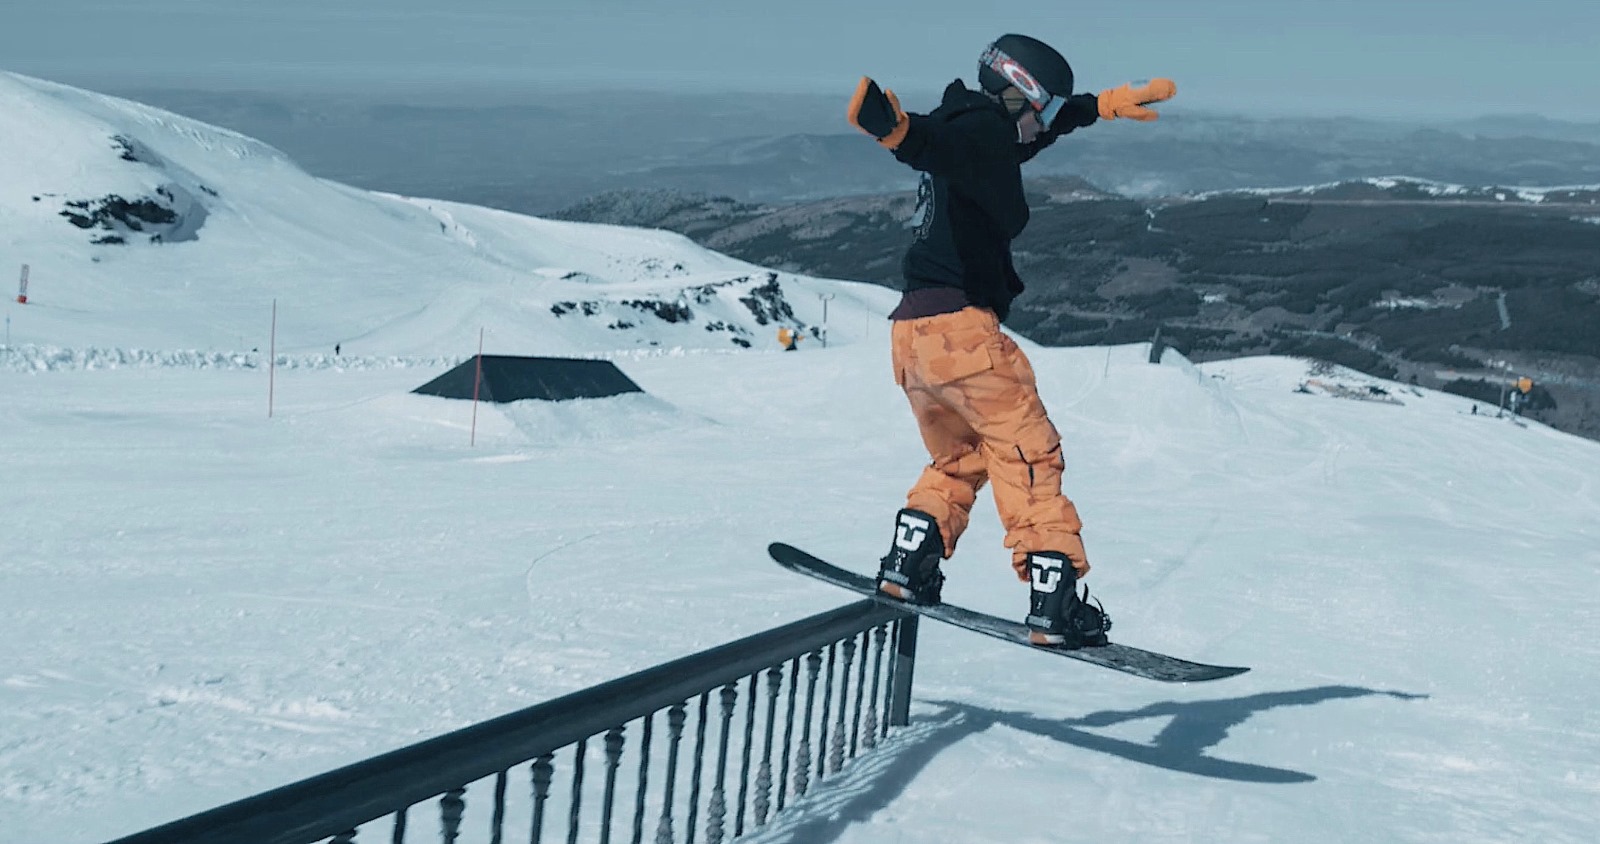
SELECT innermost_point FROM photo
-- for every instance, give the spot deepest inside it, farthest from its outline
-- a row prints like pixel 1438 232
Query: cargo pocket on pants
pixel 1017 363
pixel 951 356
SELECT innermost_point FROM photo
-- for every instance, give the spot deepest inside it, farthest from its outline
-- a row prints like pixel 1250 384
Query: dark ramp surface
pixel 508 378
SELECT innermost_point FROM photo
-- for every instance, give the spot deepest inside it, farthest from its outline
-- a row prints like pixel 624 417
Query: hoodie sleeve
pixel 936 147
pixel 1082 110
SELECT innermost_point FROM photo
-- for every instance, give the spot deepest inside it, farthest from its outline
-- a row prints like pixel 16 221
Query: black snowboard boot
pixel 1056 615
pixel 910 571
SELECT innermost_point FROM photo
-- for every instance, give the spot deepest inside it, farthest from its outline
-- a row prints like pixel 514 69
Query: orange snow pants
pixel 975 399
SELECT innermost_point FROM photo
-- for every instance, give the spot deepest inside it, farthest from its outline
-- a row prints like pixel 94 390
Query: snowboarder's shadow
pixel 872 782
pixel 1193 728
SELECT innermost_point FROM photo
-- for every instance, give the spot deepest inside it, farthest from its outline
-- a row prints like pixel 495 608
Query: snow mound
pixel 146 230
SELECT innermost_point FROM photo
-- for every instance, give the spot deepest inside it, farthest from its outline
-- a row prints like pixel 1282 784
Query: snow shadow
pixel 870 783
pixel 1194 727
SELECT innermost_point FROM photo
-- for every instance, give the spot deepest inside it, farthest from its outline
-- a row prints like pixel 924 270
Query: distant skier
pixel 971 389
pixel 789 338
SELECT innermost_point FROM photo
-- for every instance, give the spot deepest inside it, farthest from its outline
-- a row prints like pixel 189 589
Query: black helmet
pixel 1029 65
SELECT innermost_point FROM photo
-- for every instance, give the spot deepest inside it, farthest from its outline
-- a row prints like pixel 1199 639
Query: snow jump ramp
pixel 507 378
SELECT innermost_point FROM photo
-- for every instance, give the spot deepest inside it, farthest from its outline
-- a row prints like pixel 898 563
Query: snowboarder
pixel 971 389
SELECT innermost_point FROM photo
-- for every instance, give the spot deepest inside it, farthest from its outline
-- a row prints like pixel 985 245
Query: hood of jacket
pixel 958 99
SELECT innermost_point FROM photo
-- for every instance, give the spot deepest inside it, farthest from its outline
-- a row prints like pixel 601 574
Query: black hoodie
pixel 971 201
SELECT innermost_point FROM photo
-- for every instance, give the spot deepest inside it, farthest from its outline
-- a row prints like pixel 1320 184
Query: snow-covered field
pixel 199 602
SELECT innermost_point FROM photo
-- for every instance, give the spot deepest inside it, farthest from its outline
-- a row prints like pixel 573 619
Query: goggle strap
pixel 1052 108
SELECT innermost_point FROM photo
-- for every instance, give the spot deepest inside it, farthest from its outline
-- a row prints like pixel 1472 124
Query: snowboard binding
pixel 910 571
pixel 1057 616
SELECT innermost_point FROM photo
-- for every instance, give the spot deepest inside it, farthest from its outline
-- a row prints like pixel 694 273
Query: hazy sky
pixel 1432 58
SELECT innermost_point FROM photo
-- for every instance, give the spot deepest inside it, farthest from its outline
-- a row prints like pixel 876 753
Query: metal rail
pixel 339 805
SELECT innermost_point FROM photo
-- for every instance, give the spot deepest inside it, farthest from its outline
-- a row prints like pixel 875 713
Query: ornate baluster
pixel 613 759
pixel 699 768
pixel 870 739
pixel 346 837
pixel 802 772
pixel 644 779
pixel 764 773
pixel 788 733
pixel 718 810
pixel 836 753
pixel 675 718
pixel 827 704
pixel 544 771
pixel 861 690
pixel 577 790
pixel 399 834
pixel 451 807
pixel 744 763
pixel 496 831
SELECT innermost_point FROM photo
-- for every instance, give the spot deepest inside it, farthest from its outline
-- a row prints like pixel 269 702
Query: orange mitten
pixel 877 112
pixel 1128 101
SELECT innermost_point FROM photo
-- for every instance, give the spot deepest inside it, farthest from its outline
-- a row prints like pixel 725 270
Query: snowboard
pixel 1129 660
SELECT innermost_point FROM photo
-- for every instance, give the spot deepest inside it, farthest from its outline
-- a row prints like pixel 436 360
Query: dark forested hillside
pixel 1402 279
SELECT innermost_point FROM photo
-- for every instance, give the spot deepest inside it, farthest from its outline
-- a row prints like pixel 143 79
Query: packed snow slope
pixel 199 602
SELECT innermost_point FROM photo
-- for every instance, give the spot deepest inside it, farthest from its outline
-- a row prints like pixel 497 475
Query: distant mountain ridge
pixel 542 152
pixel 1399 277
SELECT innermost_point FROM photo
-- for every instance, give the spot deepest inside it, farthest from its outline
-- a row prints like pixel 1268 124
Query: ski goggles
pixel 1018 106
pixel 1049 110
pixel 1045 104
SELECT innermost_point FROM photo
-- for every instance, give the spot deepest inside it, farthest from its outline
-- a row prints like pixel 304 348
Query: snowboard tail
pixel 1128 660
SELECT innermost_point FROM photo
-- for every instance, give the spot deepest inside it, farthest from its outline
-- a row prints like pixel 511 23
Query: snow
pixel 201 602
pixel 1430 187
